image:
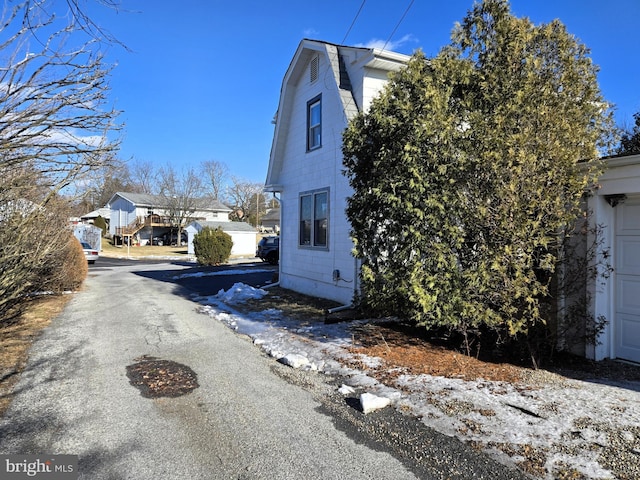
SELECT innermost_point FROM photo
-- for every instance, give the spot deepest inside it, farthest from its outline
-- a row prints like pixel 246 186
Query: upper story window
pixel 314 123
pixel 314 219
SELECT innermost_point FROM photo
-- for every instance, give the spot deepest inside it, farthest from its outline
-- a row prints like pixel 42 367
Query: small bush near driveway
pixel 212 246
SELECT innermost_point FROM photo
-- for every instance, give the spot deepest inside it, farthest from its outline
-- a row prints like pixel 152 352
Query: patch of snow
pixel 371 403
pixel 240 293
pixel 346 390
pixel 567 419
pixel 294 360
pixel 222 273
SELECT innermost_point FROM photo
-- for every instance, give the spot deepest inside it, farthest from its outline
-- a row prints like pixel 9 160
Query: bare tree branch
pixel 181 192
pixel 215 174
pixel 243 196
pixel 55 129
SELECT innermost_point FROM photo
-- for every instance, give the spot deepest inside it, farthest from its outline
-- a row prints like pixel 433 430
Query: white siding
pixel 615 297
pixel 293 170
pixel 122 214
pixel 303 269
pixel 373 82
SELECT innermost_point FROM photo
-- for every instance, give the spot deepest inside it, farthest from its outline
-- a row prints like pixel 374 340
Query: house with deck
pixel 139 218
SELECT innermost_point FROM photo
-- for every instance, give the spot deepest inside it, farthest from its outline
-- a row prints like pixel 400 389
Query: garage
pixel 615 206
pixel 627 280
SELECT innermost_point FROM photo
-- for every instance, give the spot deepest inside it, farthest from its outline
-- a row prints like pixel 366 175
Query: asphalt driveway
pixel 245 417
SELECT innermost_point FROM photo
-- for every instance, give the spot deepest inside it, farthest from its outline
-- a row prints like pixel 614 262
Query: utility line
pixel 354 21
pixel 398 24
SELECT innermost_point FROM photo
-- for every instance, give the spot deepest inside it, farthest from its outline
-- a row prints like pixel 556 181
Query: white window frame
pixel 314 123
pixel 313 226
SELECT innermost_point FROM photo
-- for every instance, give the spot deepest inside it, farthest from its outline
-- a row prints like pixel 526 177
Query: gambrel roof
pixel 349 68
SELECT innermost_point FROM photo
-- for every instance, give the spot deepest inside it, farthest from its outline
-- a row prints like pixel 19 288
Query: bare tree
pixel 246 199
pixel 98 186
pixel 81 21
pixel 145 177
pixel 215 174
pixel 54 131
pixel 182 195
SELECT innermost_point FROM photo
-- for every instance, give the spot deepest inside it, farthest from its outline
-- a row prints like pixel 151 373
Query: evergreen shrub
pixel 100 223
pixel 212 246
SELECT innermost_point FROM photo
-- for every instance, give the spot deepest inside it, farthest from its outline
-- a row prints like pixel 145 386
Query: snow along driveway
pixel 571 428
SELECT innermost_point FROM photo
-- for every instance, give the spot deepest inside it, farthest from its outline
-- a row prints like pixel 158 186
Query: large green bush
pixel 212 246
pixel 467 169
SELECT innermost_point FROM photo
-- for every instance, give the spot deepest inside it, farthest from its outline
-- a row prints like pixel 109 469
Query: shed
pixel 244 236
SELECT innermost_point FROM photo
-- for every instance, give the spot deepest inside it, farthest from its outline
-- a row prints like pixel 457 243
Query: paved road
pixel 250 418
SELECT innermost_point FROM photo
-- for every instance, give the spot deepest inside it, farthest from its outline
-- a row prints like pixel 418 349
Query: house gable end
pixel 334 79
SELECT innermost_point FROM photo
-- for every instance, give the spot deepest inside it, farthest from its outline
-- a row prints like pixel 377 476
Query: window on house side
pixel 314 219
pixel 314 124
pixel 320 219
pixel 305 219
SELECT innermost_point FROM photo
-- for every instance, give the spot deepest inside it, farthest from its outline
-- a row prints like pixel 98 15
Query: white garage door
pixel 627 273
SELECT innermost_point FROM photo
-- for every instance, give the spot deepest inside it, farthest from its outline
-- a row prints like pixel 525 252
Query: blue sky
pixel 203 79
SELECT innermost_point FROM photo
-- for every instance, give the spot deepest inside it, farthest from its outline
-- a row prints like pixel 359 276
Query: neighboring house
pixel 324 87
pixel 139 217
pixel 616 207
pixel 270 221
pixel 243 235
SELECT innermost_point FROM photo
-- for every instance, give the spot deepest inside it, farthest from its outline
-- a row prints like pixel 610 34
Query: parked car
pixel 269 250
pixel 91 254
pixel 172 238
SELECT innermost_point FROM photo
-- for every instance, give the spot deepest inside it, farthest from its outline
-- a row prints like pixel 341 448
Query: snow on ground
pixel 222 272
pixel 580 426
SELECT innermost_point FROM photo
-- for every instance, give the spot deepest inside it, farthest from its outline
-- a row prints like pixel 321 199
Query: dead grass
pixel 406 349
pixel 109 250
pixel 404 354
pixel 16 338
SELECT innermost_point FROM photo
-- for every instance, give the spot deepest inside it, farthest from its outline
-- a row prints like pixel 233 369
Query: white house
pixel 323 88
pixel 243 235
pixel 90 217
pixel 616 207
pixel 142 217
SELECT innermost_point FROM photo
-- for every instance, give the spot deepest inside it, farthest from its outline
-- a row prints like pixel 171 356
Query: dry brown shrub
pixel 72 268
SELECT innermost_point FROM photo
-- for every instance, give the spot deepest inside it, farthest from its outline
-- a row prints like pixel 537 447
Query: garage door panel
pixel 628 255
pixel 628 294
pixel 628 334
pixel 628 217
pixel 627 284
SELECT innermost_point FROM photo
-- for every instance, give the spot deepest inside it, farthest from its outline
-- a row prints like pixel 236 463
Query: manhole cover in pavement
pixel 161 378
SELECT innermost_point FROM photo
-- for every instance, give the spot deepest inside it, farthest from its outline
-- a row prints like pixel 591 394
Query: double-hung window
pixel 314 123
pixel 314 219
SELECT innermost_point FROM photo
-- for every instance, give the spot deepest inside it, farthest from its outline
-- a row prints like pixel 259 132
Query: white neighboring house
pixel 90 217
pixel 270 221
pixel 142 217
pixel 616 207
pixel 244 236
pixel 324 87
